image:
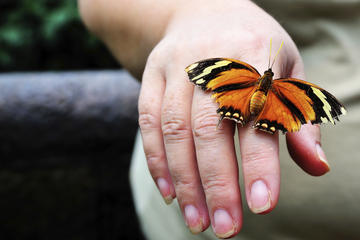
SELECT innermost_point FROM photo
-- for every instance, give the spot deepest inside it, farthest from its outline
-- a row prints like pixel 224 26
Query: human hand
pixel 188 157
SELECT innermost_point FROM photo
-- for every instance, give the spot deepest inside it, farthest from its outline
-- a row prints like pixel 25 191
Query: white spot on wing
pixel 343 110
pixel 323 119
pixel 210 68
pixel 191 67
pixel 200 81
pixel 326 107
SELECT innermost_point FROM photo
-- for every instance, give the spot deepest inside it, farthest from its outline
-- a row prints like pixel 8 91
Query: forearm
pixel 129 28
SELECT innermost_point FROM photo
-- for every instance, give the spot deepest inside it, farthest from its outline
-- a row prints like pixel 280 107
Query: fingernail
pixel 322 156
pixel 193 220
pixel 223 225
pixel 164 189
pixel 260 199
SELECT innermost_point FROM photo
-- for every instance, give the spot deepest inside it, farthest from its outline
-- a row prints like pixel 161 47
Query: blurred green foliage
pixel 47 35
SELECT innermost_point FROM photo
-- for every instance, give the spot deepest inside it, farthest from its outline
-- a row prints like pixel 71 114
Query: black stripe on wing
pixel 295 111
pixel 326 106
pixel 234 86
pixel 200 73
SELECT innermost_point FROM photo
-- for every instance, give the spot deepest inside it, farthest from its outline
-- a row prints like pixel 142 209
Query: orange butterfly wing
pixel 232 83
pixel 234 104
pixel 292 102
pixel 289 102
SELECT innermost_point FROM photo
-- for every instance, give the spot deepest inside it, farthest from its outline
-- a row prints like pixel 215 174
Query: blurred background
pixel 68 120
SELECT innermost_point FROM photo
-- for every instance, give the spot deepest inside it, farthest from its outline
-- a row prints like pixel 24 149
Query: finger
pixel 305 148
pixel 217 165
pixel 150 100
pixel 261 168
pixel 180 152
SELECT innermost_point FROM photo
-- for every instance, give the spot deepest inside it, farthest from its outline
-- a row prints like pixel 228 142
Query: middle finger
pixel 217 165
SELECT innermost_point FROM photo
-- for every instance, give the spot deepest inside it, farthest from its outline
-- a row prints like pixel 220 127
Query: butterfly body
pixel 258 98
pixel 274 104
pixel 257 102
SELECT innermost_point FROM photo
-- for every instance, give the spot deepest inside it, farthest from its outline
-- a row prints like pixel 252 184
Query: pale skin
pixel 188 157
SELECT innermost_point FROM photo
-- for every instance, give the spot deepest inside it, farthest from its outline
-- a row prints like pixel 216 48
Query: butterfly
pixel 274 104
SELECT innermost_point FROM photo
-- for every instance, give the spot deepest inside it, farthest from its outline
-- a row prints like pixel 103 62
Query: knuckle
pixel 147 121
pixel 155 55
pixel 183 178
pixel 154 160
pixel 215 185
pixel 175 128
pixel 156 163
pixel 183 182
pixel 204 126
pixel 177 54
pixel 254 39
pixel 160 52
pixel 256 159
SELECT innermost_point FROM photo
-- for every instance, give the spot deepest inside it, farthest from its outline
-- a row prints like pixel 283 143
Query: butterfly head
pixel 269 73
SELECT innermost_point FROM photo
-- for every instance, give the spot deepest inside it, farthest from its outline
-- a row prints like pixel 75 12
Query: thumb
pixel 305 149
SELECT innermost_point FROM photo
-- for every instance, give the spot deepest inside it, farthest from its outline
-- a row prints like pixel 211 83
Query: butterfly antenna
pixel 270 52
pixel 282 43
